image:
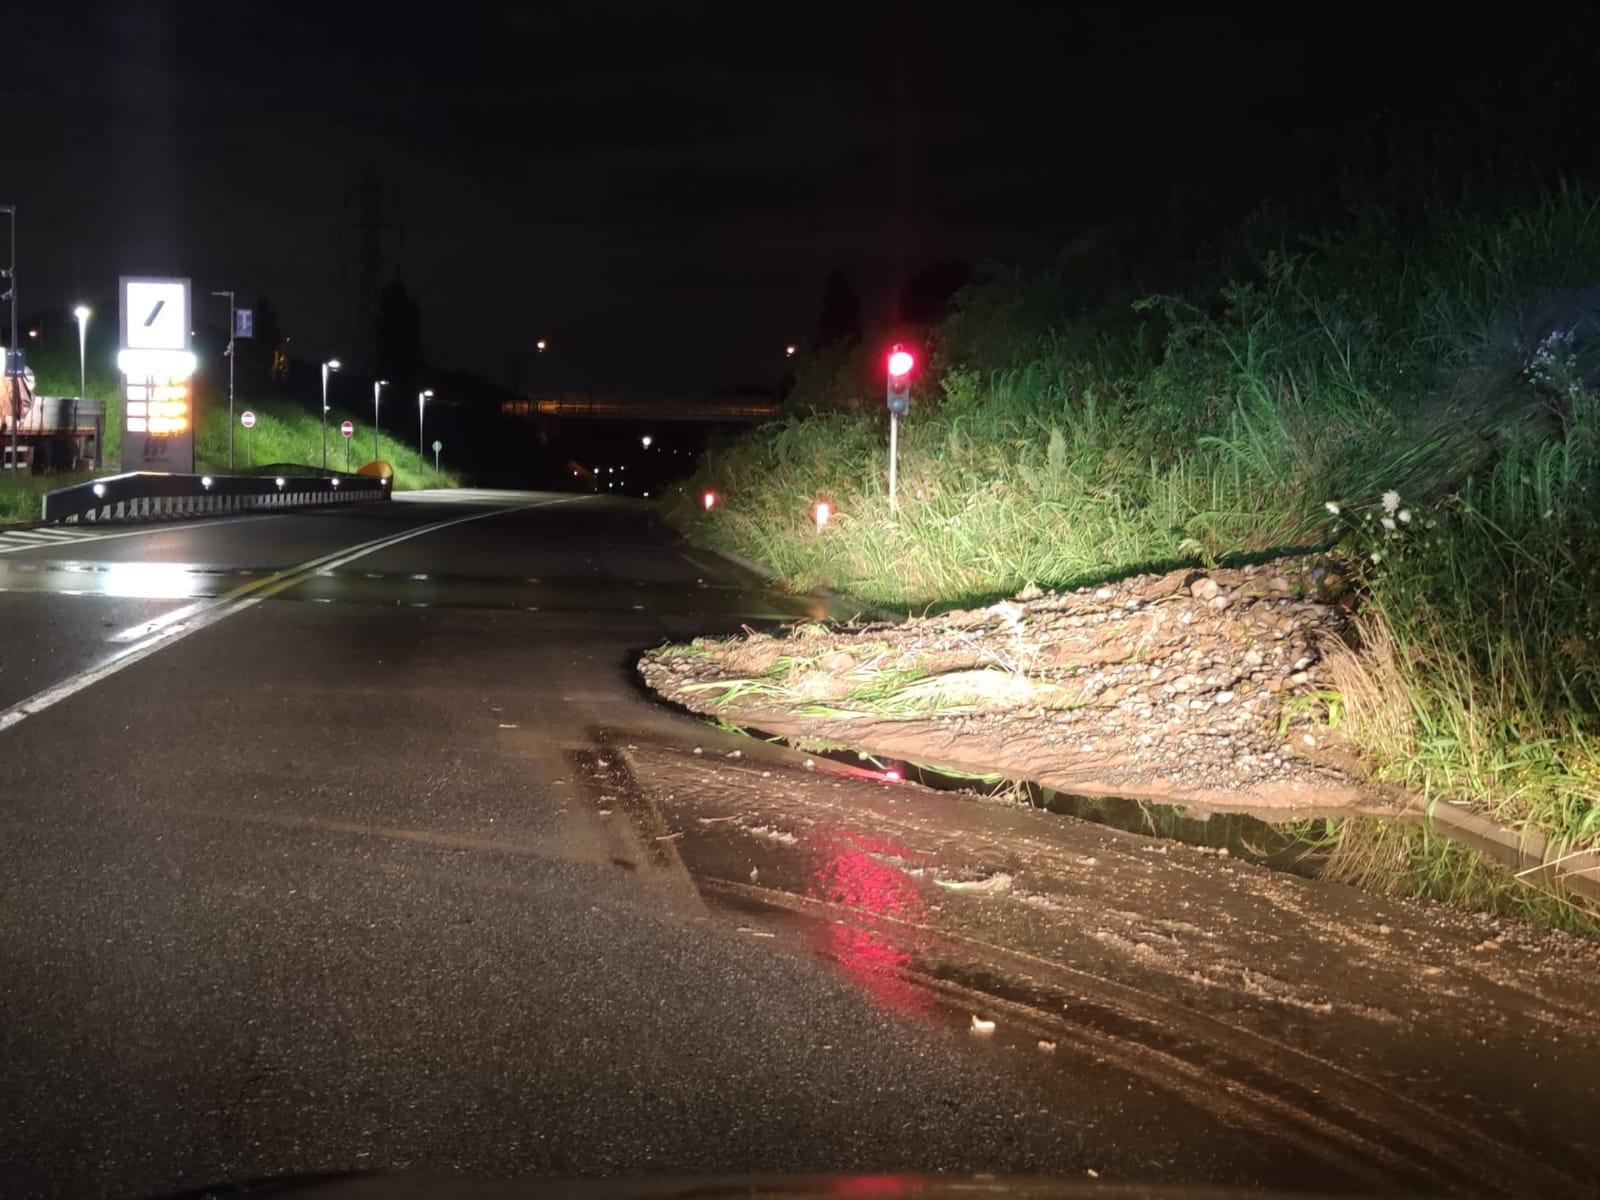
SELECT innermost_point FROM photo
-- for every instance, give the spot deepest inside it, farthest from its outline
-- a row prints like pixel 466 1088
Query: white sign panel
pixel 155 314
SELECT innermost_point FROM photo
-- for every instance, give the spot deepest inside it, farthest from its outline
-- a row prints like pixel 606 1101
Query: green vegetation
pixel 21 495
pixel 1402 363
pixel 285 432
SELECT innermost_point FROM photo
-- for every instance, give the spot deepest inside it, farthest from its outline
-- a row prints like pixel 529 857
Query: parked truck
pixel 53 433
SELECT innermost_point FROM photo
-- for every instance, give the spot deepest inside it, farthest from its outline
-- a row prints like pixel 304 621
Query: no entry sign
pixel 348 428
pixel 247 419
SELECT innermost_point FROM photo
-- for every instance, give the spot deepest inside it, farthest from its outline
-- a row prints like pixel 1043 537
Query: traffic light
pixel 900 364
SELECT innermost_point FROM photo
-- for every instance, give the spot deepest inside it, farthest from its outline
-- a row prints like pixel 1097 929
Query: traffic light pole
pixel 900 363
pixel 894 456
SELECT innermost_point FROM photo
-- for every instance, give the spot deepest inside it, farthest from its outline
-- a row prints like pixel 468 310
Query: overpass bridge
pixel 600 406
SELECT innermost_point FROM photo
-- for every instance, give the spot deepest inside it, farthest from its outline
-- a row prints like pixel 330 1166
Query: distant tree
pixel 839 322
pixel 399 337
pixel 925 298
pixel 260 351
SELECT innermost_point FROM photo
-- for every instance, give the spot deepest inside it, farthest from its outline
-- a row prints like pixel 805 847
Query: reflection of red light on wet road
pixel 875 1185
pixel 852 874
pixel 874 965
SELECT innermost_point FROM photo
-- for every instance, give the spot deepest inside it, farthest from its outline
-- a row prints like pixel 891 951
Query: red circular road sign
pixel 247 419
pixel 348 428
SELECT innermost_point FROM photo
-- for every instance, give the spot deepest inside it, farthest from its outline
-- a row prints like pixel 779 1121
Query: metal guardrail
pixel 142 494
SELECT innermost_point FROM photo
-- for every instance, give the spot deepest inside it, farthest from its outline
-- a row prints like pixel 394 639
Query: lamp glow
pixel 156 364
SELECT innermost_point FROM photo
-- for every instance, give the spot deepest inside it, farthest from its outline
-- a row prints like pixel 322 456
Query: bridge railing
pixel 602 407
pixel 144 494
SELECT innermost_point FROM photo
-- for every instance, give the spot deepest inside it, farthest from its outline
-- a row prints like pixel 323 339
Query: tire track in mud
pixel 1355 1124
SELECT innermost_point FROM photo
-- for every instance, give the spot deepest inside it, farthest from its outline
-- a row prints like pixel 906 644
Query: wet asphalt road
pixel 348 840
pixel 306 888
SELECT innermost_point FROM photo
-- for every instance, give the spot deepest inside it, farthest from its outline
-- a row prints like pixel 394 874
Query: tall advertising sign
pixel 157 369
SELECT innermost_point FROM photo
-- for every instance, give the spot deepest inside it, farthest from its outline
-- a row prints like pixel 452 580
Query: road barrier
pixel 144 494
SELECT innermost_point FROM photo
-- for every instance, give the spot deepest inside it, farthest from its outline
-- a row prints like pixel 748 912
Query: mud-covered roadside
pixel 1195 687
pixel 1195 1016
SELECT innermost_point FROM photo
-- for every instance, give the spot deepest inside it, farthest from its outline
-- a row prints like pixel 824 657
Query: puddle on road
pixel 1279 839
pixel 1280 845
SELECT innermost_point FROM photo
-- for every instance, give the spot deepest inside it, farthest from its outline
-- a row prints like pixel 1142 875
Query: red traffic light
pixel 900 362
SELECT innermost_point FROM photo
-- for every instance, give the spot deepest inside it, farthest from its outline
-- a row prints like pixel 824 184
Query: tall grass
pixel 1481 673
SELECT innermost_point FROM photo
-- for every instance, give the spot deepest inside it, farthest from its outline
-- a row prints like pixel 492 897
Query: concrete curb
pixel 1577 871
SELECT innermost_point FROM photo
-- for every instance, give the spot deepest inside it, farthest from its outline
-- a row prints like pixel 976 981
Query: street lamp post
pixel 331 365
pixel 231 348
pixel 82 314
pixel 12 370
pixel 422 400
pixel 377 389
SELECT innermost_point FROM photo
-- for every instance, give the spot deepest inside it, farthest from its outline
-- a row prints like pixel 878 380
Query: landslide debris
pixel 1198 686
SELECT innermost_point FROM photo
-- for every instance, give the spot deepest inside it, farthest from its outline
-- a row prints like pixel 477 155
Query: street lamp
pixel 13 351
pixel 422 399
pixel 82 314
pixel 232 329
pixel 788 351
pixel 541 345
pixel 331 365
pixel 646 440
pixel 377 388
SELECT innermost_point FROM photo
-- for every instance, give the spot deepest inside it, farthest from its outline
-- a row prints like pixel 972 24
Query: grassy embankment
pixel 1412 380
pixel 285 433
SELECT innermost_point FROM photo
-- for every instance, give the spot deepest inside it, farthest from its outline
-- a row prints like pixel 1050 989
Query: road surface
pixel 347 840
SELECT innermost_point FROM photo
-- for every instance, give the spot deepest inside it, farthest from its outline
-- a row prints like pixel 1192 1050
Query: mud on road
pixel 1196 687
pixel 1200 1017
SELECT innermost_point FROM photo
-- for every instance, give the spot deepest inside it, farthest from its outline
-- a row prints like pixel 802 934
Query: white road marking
pixel 11 540
pixel 31 537
pixel 196 617
pixel 53 534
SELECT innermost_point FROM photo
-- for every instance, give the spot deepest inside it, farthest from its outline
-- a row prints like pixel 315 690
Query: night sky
pixel 659 189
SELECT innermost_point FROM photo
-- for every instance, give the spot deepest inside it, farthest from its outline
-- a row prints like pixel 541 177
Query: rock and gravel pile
pixel 1194 686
